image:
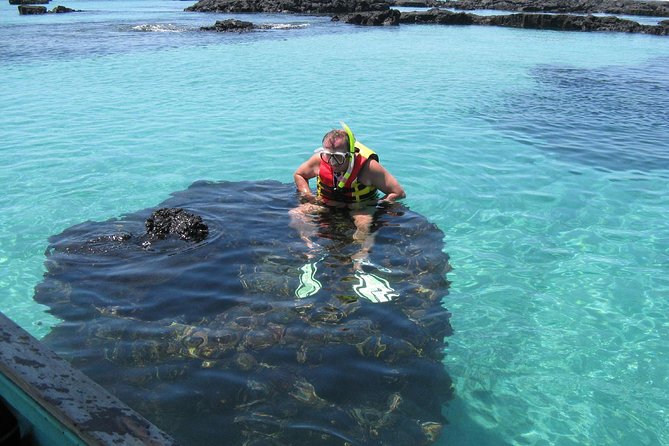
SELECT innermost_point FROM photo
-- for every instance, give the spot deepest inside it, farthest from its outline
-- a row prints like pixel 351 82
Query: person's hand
pixel 382 204
pixel 307 197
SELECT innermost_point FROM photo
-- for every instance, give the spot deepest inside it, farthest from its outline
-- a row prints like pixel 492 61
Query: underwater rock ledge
pixel 208 339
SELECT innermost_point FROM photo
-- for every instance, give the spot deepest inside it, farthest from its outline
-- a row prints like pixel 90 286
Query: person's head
pixel 336 149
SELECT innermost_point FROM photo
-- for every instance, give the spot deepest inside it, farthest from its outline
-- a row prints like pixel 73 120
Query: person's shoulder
pixel 374 165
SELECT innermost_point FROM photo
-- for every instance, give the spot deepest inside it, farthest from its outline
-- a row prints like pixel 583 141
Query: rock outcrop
pixel 176 222
pixel 376 18
pixel 29 2
pixel 558 22
pixel 36 10
pixel 62 10
pixel 230 25
pixel 631 7
pixel 290 6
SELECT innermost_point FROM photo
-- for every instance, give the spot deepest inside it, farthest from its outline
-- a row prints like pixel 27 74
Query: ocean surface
pixel 543 157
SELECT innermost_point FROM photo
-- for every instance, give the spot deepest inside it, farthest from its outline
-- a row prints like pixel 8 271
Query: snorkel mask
pixel 351 147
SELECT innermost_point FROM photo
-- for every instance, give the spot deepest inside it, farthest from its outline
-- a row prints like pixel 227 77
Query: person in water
pixel 348 176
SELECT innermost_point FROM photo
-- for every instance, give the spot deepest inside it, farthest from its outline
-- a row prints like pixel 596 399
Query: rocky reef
pixel 29 2
pixel 557 22
pixel 36 10
pixel 369 13
pixel 289 6
pixel 378 18
pixel 629 7
pixel 230 25
pixel 209 340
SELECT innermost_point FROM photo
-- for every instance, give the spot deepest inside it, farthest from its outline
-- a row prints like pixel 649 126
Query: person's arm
pixel 306 171
pixel 379 177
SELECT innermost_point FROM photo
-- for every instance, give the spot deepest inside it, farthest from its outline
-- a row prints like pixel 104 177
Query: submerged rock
pixel 209 340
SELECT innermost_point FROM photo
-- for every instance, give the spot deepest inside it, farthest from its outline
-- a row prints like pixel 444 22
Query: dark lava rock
pixel 418 3
pixel 31 10
pixel 210 342
pixel 376 18
pixel 29 2
pixel 435 16
pixel 632 7
pixel 176 221
pixel 230 25
pixel 561 22
pixel 557 22
pixel 291 6
pixel 62 10
pixel 35 10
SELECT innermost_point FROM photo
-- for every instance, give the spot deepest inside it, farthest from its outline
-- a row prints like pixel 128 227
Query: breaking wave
pixel 157 28
pixel 283 25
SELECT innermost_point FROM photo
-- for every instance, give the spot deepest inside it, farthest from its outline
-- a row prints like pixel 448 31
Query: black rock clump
pixel 37 10
pixel 176 221
pixel 32 10
pixel 557 22
pixel 631 7
pixel 376 18
pixel 62 10
pixel 229 25
pixel 289 6
pixel 563 22
pixel 29 2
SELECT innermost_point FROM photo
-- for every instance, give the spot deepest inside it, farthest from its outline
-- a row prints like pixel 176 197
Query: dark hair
pixel 333 136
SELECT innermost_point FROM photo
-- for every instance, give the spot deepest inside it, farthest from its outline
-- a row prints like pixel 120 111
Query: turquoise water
pixel 541 155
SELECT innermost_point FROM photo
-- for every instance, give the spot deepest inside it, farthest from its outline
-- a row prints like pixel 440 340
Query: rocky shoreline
pixel 289 6
pixel 628 7
pixel 374 13
pixel 556 22
pixel 558 15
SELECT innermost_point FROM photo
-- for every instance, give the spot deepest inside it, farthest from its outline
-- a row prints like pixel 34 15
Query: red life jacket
pixel 353 191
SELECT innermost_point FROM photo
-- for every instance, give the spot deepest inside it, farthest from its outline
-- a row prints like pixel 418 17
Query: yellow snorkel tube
pixel 351 145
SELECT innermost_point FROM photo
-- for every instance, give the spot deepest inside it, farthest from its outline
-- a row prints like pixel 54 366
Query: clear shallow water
pixel 558 239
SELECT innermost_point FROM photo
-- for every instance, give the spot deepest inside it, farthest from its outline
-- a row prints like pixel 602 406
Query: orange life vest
pixel 352 191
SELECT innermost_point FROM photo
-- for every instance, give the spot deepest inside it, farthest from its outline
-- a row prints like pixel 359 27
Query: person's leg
pixel 362 236
pixel 302 220
pixel 368 286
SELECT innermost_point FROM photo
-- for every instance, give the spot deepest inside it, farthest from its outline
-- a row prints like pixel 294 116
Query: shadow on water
pixel 209 341
pixel 612 118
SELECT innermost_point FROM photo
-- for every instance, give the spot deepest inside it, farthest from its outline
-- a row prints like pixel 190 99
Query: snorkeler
pixel 348 176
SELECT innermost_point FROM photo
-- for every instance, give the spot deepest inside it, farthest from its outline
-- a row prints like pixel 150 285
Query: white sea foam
pixel 158 28
pixel 284 25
